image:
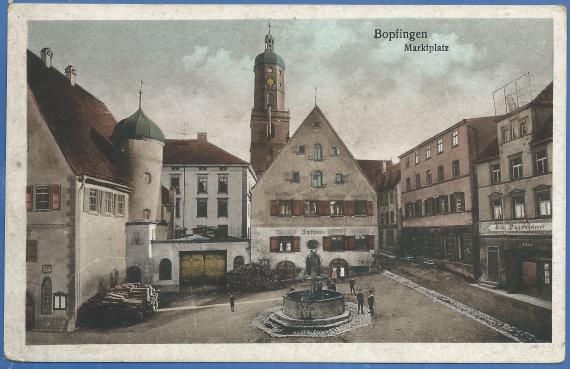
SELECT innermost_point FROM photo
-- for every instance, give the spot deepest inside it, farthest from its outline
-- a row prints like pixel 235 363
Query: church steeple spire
pixel 269 38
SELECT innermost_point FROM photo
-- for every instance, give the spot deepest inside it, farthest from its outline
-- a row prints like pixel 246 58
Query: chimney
pixel 202 137
pixel 46 55
pixel 383 166
pixel 71 74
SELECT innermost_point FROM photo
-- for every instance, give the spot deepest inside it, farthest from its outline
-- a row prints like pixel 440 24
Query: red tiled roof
pixel 197 152
pixel 373 170
pixel 79 122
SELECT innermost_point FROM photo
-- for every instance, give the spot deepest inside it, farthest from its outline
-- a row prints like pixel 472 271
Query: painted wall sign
pixel 530 227
pixel 46 268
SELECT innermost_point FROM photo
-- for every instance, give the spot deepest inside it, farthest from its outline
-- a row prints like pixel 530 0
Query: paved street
pixel 403 315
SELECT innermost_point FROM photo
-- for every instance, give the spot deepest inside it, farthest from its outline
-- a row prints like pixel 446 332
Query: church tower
pixel 269 119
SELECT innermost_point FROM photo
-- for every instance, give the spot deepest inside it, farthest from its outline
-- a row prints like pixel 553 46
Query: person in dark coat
pixel 232 301
pixel 360 301
pixel 371 302
pixel 352 284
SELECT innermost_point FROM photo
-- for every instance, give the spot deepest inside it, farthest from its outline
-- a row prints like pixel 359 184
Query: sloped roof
pixel 391 178
pixel 543 131
pixel 197 152
pixel 373 170
pixel 80 123
pixel 269 57
pixel 137 126
pixel 490 152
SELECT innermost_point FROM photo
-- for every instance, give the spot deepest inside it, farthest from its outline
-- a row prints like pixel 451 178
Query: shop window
pixel 336 208
pixel 223 183
pixel 318 152
pixel 317 179
pixel 59 301
pixel 222 208
pixel 540 162
pixel 543 201
pixel 454 138
pixel 361 242
pixel 428 178
pixel 440 145
pixel 285 207
pixel 202 208
pixel 165 270
pixel 516 167
pixel 428 151
pixel 337 243
pixel 310 208
pixel 46 297
pixel 455 168
pixel 202 184
pixel 495 173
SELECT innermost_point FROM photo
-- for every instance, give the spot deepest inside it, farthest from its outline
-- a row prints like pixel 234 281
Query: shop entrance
pixel 493 264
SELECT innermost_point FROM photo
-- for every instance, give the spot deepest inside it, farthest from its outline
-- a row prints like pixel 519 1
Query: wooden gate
pixel 202 267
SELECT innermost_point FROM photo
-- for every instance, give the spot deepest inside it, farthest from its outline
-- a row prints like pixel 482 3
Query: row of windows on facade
pixel 202 183
pixel 202 208
pixel 444 204
pixel 51 301
pixel 177 168
pixel 540 166
pixel 388 217
pixel 515 129
pixel 317 178
pixel 456 172
pixel 317 154
pixel 439 147
pixel 321 208
pixel 542 201
pixel 330 243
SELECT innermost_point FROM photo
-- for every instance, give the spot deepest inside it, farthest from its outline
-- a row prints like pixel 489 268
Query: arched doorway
pixel 30 312
pixel 340 263
pixel 165 269
pixel 238 262
pixel 286 269
pixel 133 274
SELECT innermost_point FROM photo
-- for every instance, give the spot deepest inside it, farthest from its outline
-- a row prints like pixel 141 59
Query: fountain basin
pixel 327 304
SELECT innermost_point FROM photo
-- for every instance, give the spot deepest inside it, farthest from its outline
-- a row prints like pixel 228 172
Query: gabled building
pixel 514 175
pixel 314 208
pixel 439 195
pixel 212 187
pixel 77 200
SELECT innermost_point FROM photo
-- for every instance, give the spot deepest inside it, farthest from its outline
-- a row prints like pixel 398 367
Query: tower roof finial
pixel 269 26
pixel 315 96
pixel 140 94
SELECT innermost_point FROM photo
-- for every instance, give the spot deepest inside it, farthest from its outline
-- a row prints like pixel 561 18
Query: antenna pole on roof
pixel 315 96
pixel 140 94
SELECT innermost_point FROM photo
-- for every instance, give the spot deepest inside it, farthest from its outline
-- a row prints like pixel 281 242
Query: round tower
pixel 139 145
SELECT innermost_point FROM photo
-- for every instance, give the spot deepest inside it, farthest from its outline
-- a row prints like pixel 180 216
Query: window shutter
pixel 370 240
pixel 297 207
pixel 326 243
pixel 324 207
pixel 29 197
pixel 296 247
pixel 351 243
pixel 370 208
pixel 85 198
pixel 349 208
pixel 274 207
pixel 274 244
pixel 55 197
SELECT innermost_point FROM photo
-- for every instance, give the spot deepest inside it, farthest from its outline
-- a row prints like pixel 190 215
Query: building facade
pixel 77 200
pixel 212 187
pixel 314 208
pixel 439 195
pixel 269 119
pixel 515 195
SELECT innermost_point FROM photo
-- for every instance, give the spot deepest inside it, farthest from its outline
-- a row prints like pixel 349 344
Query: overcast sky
pixel 198 75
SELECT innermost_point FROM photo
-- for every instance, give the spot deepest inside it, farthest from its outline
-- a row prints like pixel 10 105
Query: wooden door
pixel 493 264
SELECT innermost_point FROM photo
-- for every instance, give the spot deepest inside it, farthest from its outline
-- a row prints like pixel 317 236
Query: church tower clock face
pixel 269 81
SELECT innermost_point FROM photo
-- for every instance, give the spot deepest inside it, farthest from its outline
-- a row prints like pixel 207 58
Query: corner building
pixel 439 195
pixel 314 200
pixel 515 196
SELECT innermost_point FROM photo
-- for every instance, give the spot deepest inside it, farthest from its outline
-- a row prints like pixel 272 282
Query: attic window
pixel 316 124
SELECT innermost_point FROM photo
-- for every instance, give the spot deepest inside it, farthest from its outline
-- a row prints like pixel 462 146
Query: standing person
pixel 360 301
pixel 333 273
pixel 342 273
pixel 352 284
pixel 371 302
pixel 232 301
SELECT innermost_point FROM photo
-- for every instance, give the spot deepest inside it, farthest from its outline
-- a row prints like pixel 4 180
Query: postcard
pixel 285 183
